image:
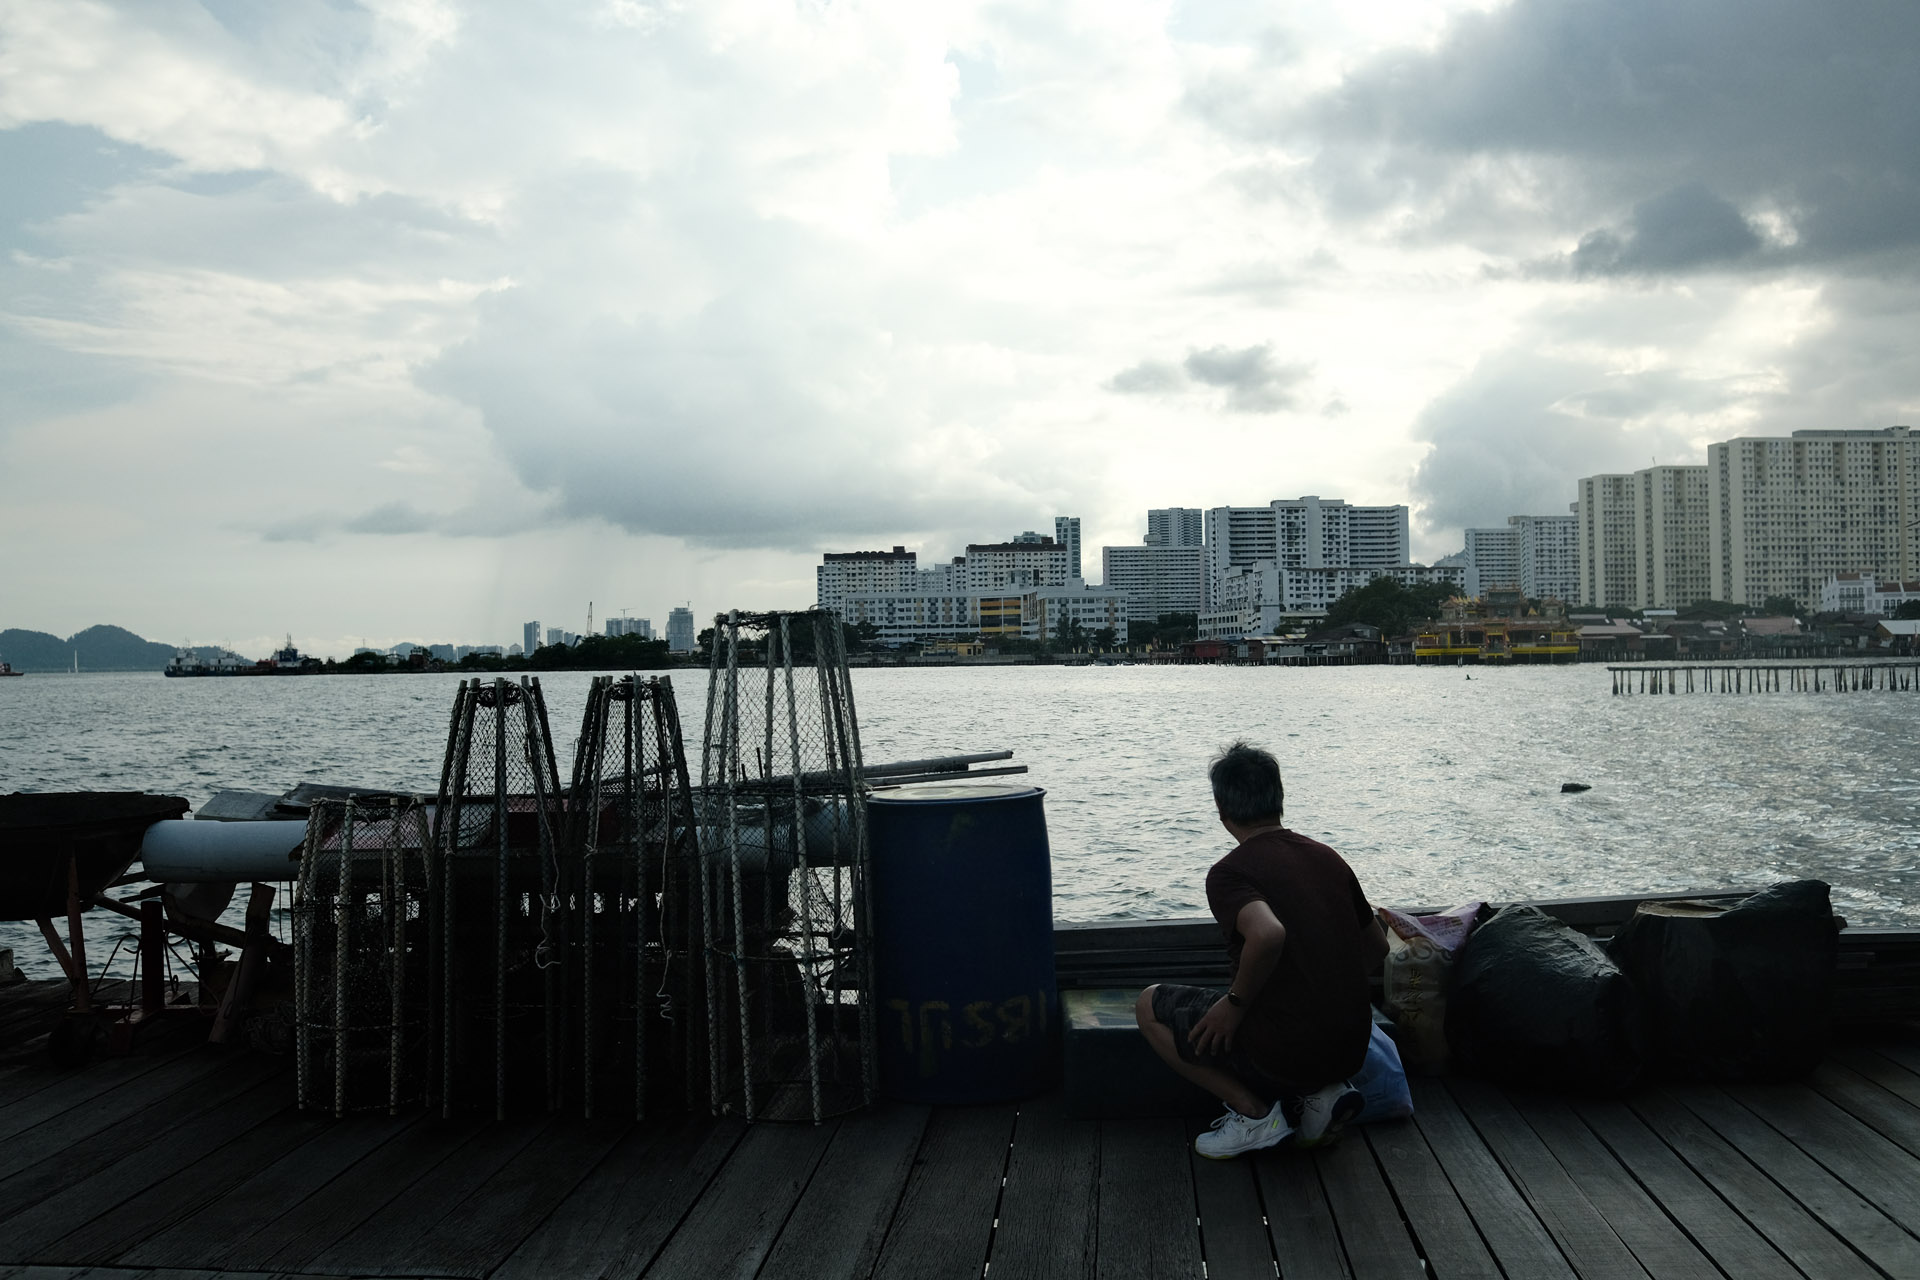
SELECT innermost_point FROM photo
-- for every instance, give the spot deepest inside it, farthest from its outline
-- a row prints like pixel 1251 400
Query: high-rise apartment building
pixel 1066 532
pixel 1001 566
pixel 642 627
pixel 1304 533
pixel 1156 579
pixel 1549 556
pixel 680 630
pixel 529 637
pixel 1642 539
pixel 1537 554
pixel 1787 513
pixel 844 573
pixel 1495 556
pixel 1176 527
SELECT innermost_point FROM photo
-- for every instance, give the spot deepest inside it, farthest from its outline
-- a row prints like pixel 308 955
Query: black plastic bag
pixel 1535 1003
pixel 1741 993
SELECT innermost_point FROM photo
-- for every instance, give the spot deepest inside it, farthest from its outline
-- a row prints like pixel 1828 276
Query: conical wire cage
pixel 636 961
pixel 361 940
pixel 502 888
pixel 784 900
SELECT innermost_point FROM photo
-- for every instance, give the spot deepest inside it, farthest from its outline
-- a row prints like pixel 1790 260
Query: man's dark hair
pixel 1246 785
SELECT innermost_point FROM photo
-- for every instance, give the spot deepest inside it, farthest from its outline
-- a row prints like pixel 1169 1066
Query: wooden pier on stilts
pixel 1793 677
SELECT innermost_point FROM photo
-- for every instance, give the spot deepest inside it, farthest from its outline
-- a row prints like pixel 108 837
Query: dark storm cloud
pixel 1513 436
pixel 1807 110
pixel 1253 380
pixel 1675 231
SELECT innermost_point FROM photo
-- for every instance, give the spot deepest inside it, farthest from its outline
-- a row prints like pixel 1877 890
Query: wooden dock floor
pixel 186 1160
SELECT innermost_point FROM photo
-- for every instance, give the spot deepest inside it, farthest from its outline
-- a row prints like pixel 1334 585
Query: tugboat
pixel 290 661
pixel 6 669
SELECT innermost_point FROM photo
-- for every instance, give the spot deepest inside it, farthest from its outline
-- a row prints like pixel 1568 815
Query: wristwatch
pixel 1233 998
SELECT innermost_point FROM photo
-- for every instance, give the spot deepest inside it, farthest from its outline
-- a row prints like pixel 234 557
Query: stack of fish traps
pixel 626 943
pixel 637 964
pixel 361 934
pixel 784 899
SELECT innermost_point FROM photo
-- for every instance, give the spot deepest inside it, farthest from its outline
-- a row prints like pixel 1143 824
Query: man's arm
pixel 1373 945
pixel 1263 937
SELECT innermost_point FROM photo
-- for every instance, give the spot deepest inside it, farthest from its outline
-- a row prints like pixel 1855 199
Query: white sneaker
pixel 1232 1134
pixel 1324 1112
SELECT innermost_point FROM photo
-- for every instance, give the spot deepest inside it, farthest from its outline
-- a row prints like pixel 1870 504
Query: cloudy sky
pixel 413 319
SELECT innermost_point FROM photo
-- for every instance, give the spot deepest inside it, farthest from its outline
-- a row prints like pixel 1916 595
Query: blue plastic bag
pixel 1382 1082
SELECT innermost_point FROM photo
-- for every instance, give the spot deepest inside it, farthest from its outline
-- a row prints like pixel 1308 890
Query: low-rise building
pixel 1865 593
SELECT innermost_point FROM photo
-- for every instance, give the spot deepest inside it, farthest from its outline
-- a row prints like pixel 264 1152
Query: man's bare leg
pixel 1221 1084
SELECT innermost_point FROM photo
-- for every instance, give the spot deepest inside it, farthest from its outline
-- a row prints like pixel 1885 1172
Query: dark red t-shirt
pixel 1310 1024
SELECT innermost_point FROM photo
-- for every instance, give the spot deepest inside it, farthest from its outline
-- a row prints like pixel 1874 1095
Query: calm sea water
pixel 1437 788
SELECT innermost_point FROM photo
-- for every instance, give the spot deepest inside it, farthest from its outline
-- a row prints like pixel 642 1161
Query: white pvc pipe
pixel 186 852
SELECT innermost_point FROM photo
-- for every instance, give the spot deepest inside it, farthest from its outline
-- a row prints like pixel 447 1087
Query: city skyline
pixel 426 319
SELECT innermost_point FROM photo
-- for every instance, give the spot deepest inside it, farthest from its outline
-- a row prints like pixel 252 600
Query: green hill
pixel 101 648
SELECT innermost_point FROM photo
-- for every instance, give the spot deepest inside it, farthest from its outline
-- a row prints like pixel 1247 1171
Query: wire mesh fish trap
pixel 362 943
pixel 784 902
pixel 501 901
pixel 631 831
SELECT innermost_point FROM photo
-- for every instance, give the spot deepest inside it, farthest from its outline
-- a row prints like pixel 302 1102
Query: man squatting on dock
pixel 1302 940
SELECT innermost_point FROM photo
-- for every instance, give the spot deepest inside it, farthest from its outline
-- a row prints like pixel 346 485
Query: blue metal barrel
pixel 963 931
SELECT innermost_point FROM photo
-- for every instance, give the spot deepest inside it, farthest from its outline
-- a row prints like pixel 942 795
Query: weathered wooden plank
pixel 837 1228
pixel 1815 1189
pixel 1577 1227
pixel 478 1233
pixel 135 1164
pixel 1047 1218
pixel 1661 1247
pixel 1907 1055
pixel 1721 1233
pixel 1879 1109
pixel 164 1202
pixel 1145 1211
pixel 1306 1244
pixel 206 1237
pixel 732 1226
pixel 52 1125
pixel 306 1228
pixel 1875 1167
pixel 1376 1240
pixel 1233 1228
pixel 398 1238
pixel 615 1220
pixel 65 1153
pixel 1514 1234
pixel 55 1092
pixel 1434 1210
pixel 944 1223
pixel 1882 1070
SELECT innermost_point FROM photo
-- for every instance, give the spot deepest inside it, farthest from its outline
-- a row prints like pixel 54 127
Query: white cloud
pixel 729 281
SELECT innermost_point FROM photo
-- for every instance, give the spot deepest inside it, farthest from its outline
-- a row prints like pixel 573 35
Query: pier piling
pixel 1848 677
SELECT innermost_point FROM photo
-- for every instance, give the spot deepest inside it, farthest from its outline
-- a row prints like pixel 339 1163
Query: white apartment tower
pixel 1642 539
pixel 1304 533
pixel 1787 513
pixel 844 573
pixel 1537 554
pixel 1066 532
pixel 1176 527
pixel 529 637
pixel 1001 566
pixel 1495 557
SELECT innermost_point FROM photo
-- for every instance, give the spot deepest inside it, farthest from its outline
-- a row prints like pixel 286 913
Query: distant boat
pixel 6 669
pixel 284 662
